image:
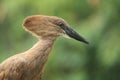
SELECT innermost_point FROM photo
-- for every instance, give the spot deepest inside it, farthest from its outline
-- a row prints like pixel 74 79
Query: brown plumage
pixel 29 64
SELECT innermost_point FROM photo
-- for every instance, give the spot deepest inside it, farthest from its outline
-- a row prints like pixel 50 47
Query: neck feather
pixel 37 56
pixel 41 49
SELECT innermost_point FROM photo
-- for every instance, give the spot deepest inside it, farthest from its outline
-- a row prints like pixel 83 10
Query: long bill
pixel 73 34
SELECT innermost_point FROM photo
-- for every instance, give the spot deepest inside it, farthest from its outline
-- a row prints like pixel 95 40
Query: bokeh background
pixel 97 20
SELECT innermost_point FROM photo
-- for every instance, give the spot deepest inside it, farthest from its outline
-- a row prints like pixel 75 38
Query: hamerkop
pixel 29 64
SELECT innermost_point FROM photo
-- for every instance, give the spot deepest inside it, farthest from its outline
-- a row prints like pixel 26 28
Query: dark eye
pixel 60 24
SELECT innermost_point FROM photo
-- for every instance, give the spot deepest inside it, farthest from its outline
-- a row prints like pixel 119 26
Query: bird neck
pixel 37 56
pixel 41 49
pixel 43 44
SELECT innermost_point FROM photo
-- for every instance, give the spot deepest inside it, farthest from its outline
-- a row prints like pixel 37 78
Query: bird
pixel 29 65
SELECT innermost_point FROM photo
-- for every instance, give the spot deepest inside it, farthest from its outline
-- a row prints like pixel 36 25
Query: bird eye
pixel 60 24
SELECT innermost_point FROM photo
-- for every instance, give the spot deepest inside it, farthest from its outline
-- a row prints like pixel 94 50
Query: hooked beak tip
pixel 86 42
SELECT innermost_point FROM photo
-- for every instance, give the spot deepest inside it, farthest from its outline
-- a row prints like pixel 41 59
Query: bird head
pixel 50 27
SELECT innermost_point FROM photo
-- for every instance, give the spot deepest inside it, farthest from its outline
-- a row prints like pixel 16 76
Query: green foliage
pixel 97 20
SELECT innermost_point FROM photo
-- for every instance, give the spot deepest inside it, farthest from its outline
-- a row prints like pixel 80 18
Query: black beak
pixel 71 33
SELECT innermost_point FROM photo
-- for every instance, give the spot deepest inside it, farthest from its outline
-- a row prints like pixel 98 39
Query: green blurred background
pixel 97 20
